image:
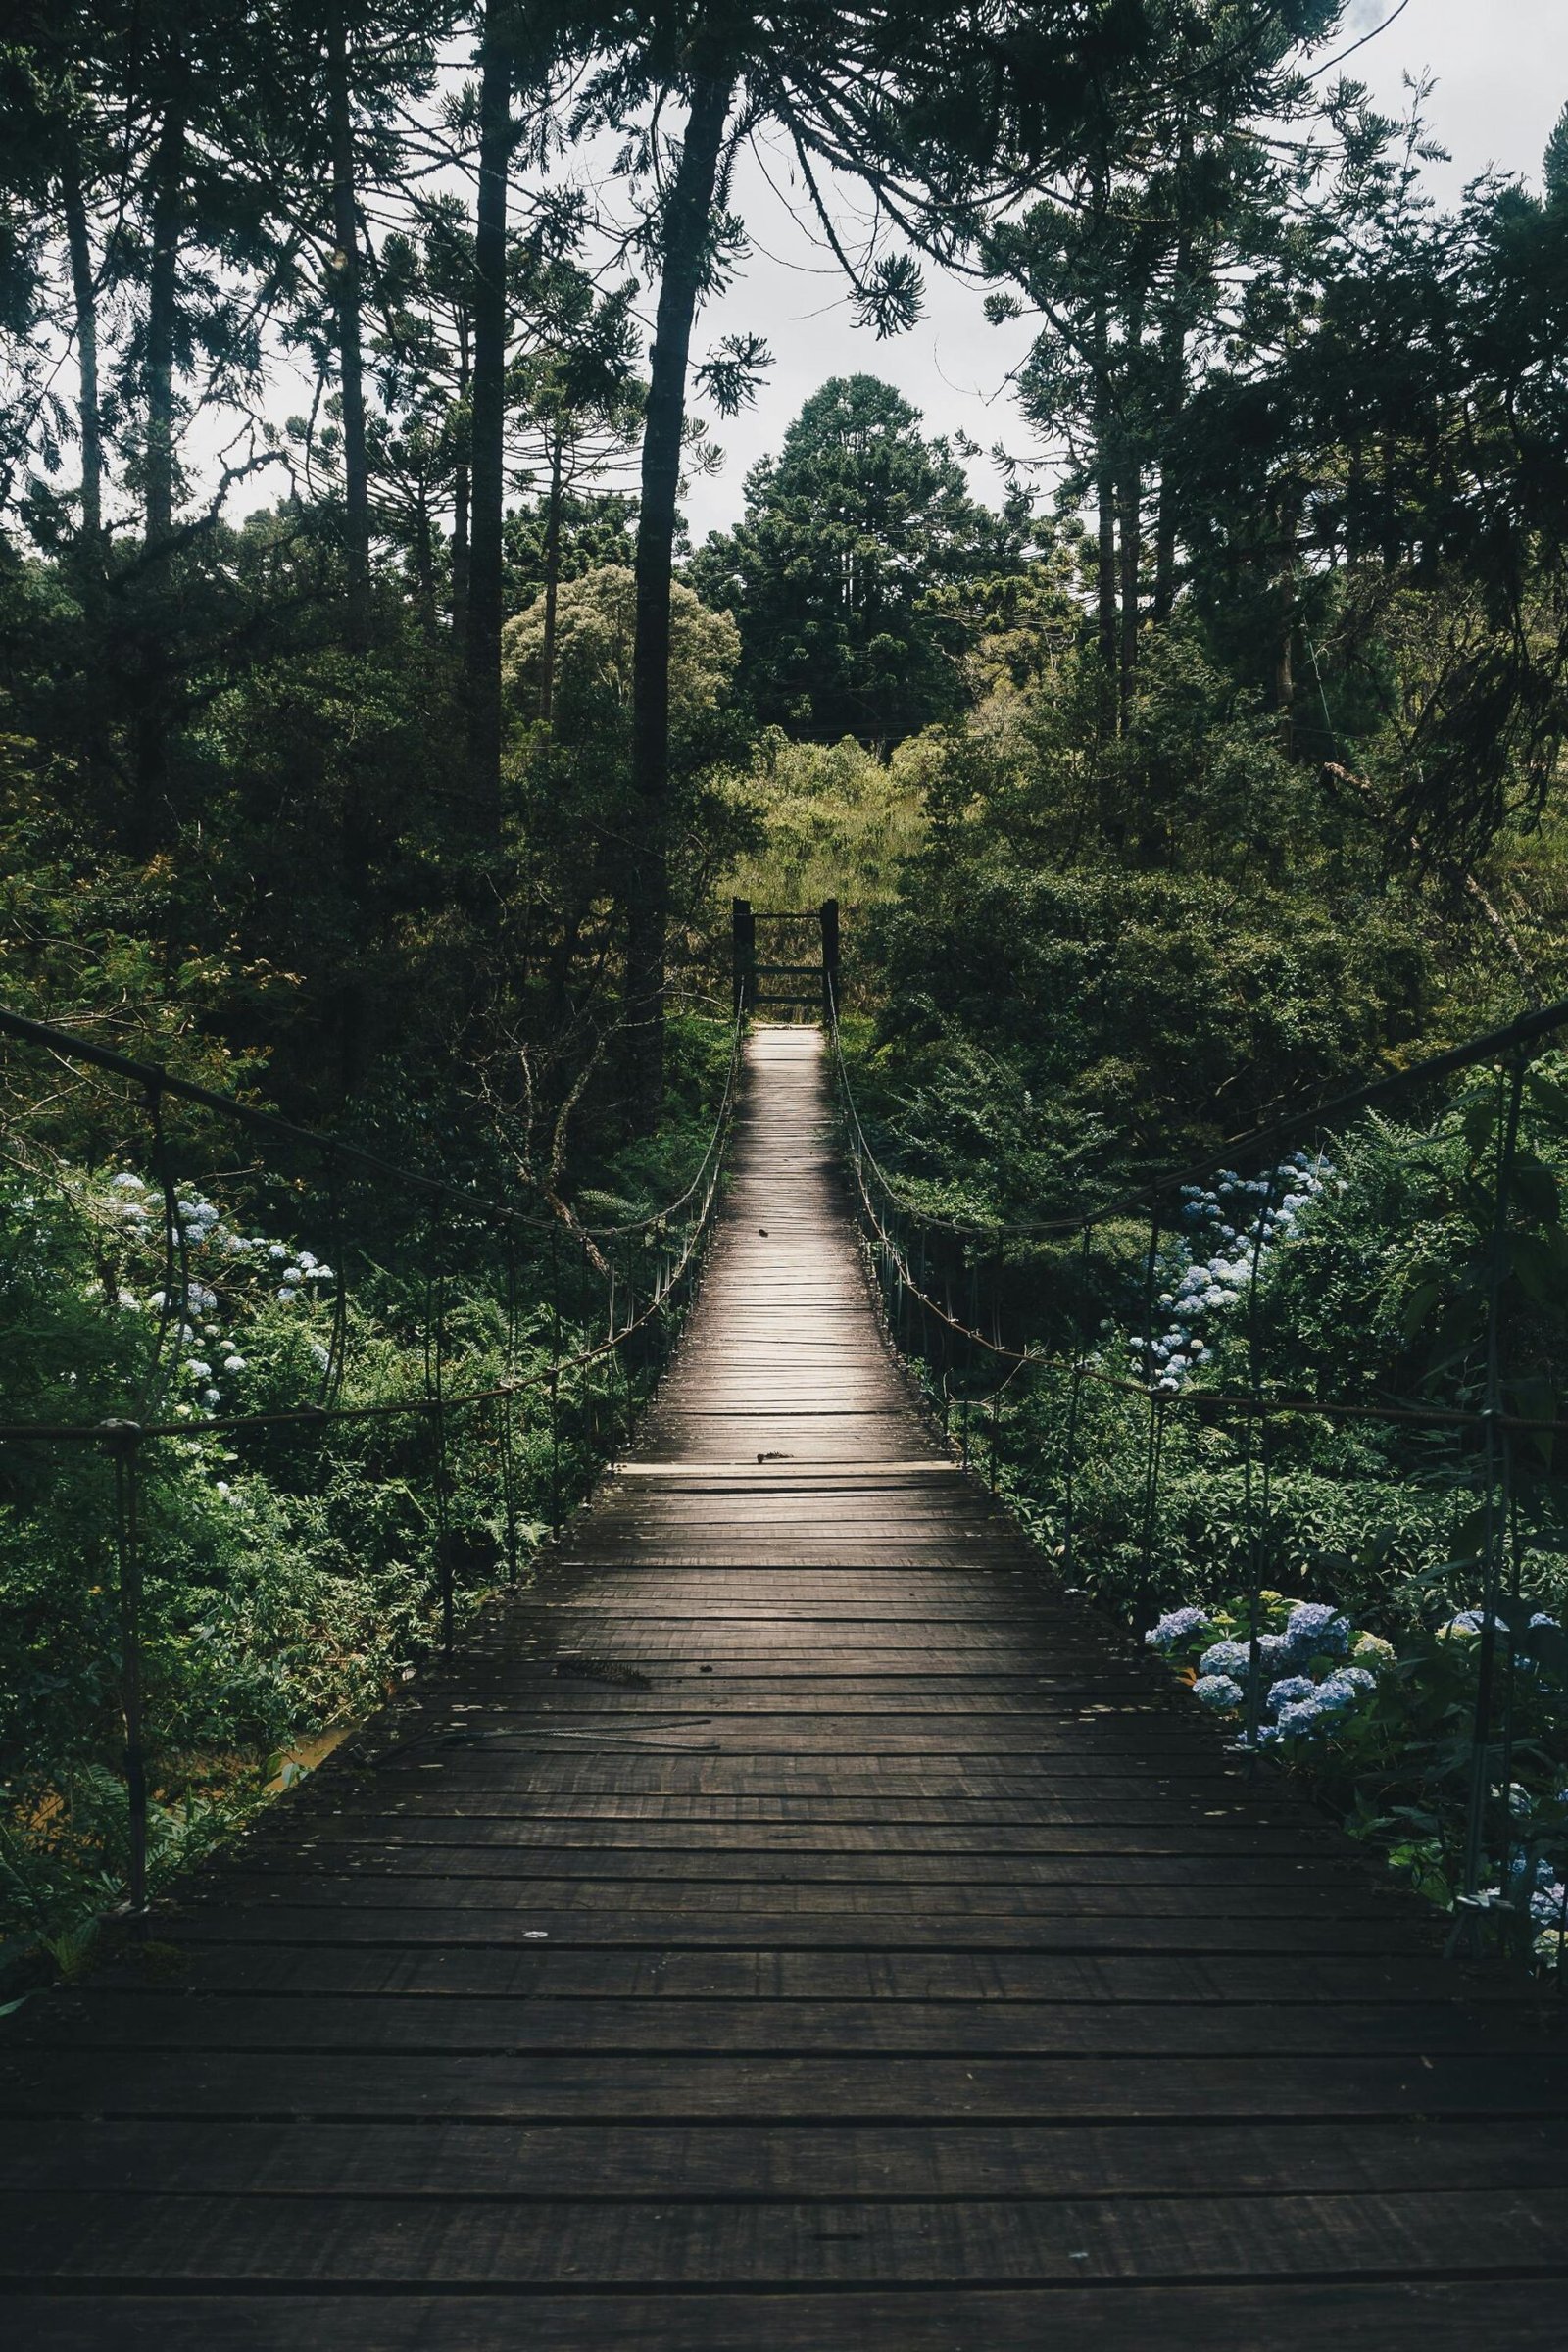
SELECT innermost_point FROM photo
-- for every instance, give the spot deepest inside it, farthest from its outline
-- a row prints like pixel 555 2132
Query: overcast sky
pixel 1502 68
pixel 1501 73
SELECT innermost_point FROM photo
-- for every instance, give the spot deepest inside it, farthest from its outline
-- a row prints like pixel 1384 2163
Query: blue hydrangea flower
pixel 1177 1625
pixel 1286 1692
pixel 1540 1872
pixel 1315 1629
pixel 1226 1657
pixel 1341 1690
pixel 1217 1690
pixel 1303 1715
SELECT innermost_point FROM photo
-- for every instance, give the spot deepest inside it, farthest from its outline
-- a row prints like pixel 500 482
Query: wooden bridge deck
pixel 791 1927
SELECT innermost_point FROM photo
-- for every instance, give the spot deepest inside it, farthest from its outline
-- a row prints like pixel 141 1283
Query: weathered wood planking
pixel 792 1925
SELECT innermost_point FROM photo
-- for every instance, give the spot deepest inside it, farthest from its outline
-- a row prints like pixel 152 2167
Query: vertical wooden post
pixel 1256 1423
pixel 1156 1409
pixel 555 1386
pixel 830 958
pixel 743 963
pixel 1472 1904
pixel 1069 1497
pixel 508 1467
pixel 125 1438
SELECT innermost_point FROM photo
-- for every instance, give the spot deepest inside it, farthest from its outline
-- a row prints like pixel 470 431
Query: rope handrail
pixel 1489 1046
pixel 123 1438
pixel 114 1431
pixel 156 1079
pixel 1338 1409
pixel 1482 1458
pixel 314 1415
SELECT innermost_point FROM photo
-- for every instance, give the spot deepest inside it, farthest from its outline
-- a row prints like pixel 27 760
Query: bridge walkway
pixel 792 1926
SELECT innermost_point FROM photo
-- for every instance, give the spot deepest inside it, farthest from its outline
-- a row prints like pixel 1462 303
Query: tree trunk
pixel 1173 370
pixel 489 431
pixel 1173 389
pixel 1131 519
pixel 84 297
pixel 346 302
pixel 1390 503
pixel 1131 516
pixel 685 246
pixel 547 680
pixel 424 562
pixel 154 688
pixel 460 557
pixel 1164 600
pixel 1106 495
pixel 168 179
pixel 350 997
pixel 1285 652
pixel 460 506
pixel 1356 536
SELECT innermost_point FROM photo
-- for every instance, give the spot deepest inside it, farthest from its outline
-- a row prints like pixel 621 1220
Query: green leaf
pixel 1532 1399
pixel 1535 1188
pixel 1417 1307
pixel 1548 1645
pixel 1548 1097
pixel 1471 1534
pixel 1478 1123
pixel 1537 1262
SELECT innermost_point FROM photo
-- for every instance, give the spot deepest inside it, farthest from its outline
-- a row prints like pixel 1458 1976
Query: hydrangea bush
pixel 1376 1266
pixel 1382 1730
pixel 1227 1229
pixel 1313 1670
pixel 289 1572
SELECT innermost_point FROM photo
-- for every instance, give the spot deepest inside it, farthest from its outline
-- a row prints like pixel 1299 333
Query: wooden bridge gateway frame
pixel 816 985
pixel 793 1923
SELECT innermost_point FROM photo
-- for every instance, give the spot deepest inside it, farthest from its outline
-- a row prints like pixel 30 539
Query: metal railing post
pixel 125 1438
pixel 743 956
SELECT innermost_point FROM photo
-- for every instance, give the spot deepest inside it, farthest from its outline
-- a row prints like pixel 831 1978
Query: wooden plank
pixel 766 2090
pixel 399 1927
pixel 818 2162
pixel 1369 2315
pixel 784 1895
pixel 791 1922
pixel 509 2026
pixel 747 1864
pixel 298 2242
pixel 1222 1984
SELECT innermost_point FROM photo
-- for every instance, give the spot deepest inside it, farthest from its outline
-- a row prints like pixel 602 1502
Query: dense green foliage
pixel 1219 768
pixel 837 575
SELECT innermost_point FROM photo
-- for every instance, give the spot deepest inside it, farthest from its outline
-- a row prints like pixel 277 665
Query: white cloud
pixel 1501 74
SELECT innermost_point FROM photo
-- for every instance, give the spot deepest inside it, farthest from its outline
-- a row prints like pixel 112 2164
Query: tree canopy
pixel 836 575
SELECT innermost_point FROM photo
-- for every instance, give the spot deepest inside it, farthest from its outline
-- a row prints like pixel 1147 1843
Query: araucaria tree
pixel 836 575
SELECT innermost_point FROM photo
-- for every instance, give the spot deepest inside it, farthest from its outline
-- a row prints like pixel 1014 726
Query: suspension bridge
pixel 791 1920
